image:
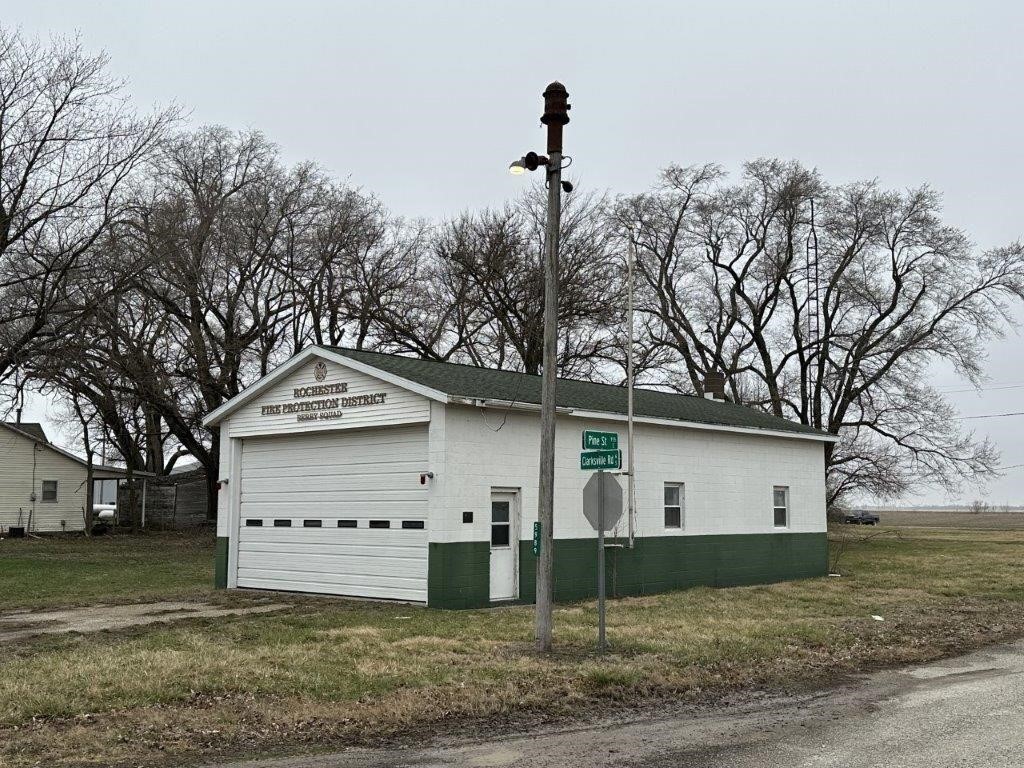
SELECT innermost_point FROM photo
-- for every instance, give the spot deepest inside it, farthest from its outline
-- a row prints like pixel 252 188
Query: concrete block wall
pixel 728 476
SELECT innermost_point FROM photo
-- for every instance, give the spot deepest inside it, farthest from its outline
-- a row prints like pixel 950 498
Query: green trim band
pixel 459 573
pixel 220 563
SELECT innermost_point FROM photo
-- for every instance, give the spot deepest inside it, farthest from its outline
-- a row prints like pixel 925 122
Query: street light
pixel 531 161
pixel 556 115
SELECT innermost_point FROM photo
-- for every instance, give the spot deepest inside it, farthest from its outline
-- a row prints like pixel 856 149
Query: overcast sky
pixel 425 103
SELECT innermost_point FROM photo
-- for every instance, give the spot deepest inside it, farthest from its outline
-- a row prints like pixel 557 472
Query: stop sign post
pixel 602 506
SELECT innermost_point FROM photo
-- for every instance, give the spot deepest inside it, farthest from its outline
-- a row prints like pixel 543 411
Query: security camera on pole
pixel 556 115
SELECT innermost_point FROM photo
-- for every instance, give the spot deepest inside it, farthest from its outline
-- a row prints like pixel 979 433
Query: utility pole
pixel 556 115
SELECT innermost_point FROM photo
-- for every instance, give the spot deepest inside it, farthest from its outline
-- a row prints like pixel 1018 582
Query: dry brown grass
pixel 332 673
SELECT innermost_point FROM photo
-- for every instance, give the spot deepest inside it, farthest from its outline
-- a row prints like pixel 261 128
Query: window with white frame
pixel 780 501
pixel 49 490
pixel 674 505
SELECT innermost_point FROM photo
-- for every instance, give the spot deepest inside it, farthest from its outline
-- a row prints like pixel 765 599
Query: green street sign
pixel 600 441
pixel 536 538
pixel 601 459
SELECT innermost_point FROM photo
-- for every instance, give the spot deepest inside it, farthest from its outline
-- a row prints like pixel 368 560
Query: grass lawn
pixel 329 672
pixel 74 570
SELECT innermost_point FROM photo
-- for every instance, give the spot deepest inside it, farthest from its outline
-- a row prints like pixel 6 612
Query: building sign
pixel 322 408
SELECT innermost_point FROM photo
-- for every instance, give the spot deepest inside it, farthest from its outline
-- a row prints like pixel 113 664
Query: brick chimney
pixel 714 385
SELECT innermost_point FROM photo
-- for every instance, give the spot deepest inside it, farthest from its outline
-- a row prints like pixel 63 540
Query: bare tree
pixel 494 258
pixel 68 143
pixel 728 272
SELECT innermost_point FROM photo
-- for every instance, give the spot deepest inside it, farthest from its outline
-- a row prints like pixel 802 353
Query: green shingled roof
pixel 489 384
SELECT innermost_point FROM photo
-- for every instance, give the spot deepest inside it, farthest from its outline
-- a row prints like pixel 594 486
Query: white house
pixel 42 486
pixel 357 473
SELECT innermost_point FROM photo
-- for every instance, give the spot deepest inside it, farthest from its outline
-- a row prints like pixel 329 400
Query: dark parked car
pixel 860 517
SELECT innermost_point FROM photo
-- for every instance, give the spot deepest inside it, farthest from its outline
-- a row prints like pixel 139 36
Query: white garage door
pixel 342 513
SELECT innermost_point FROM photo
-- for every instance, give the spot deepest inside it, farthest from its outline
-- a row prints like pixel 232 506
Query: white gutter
pixel 508 405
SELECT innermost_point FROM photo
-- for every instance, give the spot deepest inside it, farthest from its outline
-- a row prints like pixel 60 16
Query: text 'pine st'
pixel 597 441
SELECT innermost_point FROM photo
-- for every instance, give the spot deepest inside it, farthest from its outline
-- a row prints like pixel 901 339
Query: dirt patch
pixel 99 618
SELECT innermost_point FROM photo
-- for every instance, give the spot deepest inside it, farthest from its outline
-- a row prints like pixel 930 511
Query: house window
pixel 674 505
pixel 49 490
pixel 780 500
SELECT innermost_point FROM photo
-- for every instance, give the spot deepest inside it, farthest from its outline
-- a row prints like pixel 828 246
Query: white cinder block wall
pixel 728 476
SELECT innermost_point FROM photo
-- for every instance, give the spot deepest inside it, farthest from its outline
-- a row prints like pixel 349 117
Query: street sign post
pixel 596 441
pixel 609 459
pixel 602 506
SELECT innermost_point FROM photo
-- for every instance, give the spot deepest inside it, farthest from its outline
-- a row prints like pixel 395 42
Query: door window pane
pixel 500 535
pixel 501 525
pixel 499 511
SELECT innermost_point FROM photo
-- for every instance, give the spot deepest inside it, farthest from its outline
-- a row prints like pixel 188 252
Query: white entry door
pixel 504 546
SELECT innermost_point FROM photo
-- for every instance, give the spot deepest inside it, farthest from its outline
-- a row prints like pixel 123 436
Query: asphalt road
pixel 960 712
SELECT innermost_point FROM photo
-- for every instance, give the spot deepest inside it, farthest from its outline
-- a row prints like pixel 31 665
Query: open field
pixel 329 672
pixel 990 521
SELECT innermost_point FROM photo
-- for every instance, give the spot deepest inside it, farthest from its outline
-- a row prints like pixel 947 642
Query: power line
pixel 994 415
pixel 981 389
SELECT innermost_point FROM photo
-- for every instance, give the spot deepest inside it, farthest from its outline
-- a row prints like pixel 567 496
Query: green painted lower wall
pixel 220 563
pixel 661 563
pixel 459 573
